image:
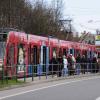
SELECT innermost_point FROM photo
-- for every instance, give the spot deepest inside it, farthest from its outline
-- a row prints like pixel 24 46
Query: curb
pixel 48 80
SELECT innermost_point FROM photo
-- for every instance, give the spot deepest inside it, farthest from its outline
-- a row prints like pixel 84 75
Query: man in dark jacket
pixel 94 65
pixel 60 66
pixel 83 64
pixel 78 64
pixel 70 69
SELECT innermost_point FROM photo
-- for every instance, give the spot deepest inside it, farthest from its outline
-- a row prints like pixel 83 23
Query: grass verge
pixel 10 82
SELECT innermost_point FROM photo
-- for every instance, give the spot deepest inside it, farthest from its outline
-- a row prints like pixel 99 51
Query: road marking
pixel 48 87
pixel 98 98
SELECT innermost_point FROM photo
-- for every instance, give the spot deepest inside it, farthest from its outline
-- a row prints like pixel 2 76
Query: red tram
pixel 19 50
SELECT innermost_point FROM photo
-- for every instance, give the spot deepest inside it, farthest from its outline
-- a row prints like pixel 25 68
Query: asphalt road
pixel 71 89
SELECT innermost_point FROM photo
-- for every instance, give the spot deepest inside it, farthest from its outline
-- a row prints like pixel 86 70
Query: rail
pixel 47 71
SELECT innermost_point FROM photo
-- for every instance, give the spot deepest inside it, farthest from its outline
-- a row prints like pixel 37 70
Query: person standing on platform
pixel 65 69
pixel 78 66
pixel 83 64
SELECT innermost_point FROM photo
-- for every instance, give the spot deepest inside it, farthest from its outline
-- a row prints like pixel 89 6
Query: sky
pixel 84 13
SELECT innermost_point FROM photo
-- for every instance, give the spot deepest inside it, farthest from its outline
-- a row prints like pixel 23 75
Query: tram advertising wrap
pixel 25 50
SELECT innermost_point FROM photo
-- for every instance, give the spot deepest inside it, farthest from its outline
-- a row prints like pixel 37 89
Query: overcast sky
pixel 85 13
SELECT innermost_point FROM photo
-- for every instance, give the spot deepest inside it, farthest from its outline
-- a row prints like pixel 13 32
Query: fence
pixel 38 72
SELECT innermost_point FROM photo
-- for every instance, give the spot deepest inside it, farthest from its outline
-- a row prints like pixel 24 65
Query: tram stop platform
pixel 43 79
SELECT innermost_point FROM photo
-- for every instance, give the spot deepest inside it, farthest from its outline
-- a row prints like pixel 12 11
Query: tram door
pixel 21 58
pixel 35 58
pixel 44 57
pixel 35 55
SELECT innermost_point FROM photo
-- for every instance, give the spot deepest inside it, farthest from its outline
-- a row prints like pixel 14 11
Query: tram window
pixel 71 51
pixel 54 52
pixel 21 57
pixel 44 55
pixel 35 55
pixel 90 54
pixel 10 57
pixel 31 56
pixel 60 52
pixel 38 55
pixel 2 49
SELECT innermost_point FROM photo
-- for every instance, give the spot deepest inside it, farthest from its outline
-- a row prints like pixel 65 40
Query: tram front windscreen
pixel 3 39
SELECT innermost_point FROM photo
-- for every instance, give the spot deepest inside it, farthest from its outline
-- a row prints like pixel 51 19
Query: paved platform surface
pixel 44 79
pixel 85 88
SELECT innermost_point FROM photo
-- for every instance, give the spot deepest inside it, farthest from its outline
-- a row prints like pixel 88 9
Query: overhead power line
pixel 85 8
pixel 83 26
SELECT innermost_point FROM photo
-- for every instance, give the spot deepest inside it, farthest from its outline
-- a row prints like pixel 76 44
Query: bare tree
pixel 37 18
pixel 12 13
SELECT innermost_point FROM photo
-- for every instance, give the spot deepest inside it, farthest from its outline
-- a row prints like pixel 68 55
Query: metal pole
pixel 24 74
pixel 46 71
pixel 16 72
pixel 2 75
pixel 33 73
pixel 40 71
pixel 3 64
pixel 52 70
